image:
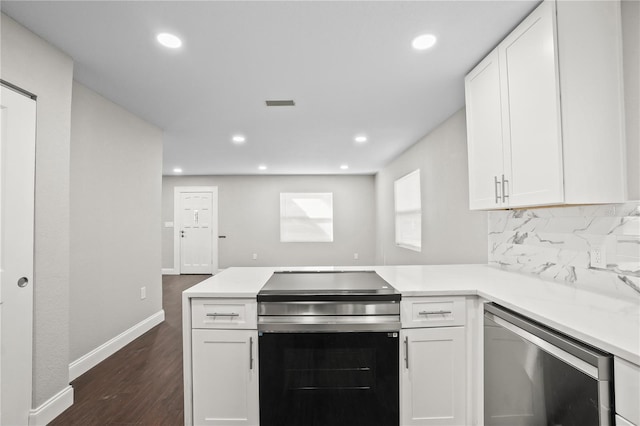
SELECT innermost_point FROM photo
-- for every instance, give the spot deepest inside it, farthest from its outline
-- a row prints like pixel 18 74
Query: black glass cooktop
pixel 327 285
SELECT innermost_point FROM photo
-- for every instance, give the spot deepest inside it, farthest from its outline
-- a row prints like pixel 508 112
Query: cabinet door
pixel 433 377
pixel 531 120
pixel 225 380
pixel 627 389
pixel 484 133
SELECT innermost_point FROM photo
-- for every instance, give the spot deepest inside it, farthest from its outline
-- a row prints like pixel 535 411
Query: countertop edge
pixel 570 331
pixel 215 287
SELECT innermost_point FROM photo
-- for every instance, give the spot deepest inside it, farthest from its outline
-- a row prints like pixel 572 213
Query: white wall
pixel 31 63
pixel 116 180
pixel 451 233
pixel 249 212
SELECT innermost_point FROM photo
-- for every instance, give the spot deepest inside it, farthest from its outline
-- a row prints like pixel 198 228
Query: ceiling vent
pixel 274 103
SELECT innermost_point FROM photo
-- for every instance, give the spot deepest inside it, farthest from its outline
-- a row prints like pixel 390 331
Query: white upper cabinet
pixel 532 119
pixel 484 130
pixel 545 118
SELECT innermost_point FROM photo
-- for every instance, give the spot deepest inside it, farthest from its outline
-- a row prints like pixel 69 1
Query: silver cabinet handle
pixel 504 189
pixel 496 187
pixel 216 314
pixel 250 353
pixel 22 282
pixel 434 312
pixel 406 352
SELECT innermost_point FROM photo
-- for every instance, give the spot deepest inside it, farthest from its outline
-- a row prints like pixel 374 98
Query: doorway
pixel 17 174
pixel 195 237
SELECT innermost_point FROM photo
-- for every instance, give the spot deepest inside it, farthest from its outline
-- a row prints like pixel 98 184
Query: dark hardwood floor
pixel 141 384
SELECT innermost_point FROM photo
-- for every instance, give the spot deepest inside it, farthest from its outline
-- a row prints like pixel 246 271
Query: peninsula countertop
pixel 609 323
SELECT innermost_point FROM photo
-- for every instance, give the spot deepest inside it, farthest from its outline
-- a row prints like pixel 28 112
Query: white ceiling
pixel 348 65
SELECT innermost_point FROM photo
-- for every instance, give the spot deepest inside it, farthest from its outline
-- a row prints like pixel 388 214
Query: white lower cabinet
pixel 432 377
pixel 225 379
pixel 627 392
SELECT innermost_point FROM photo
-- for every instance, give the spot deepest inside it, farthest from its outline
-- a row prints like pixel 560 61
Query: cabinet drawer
pixel 432 311
pixel 224 313
pixel 627 389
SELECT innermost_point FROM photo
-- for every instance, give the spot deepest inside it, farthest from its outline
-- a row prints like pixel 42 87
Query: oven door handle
pixel 406 352
pixel 328 324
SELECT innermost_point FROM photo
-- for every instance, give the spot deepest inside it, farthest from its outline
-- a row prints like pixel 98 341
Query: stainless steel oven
pixel 329 350
pixel 537 376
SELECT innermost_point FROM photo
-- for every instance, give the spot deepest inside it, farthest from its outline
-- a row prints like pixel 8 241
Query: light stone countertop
pixel 609 323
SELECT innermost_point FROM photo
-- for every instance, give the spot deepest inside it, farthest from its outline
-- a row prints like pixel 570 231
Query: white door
pixel 17 168
pixel 198 232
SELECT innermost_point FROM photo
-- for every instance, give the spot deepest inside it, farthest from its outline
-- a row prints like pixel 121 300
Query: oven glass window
pixel 323 379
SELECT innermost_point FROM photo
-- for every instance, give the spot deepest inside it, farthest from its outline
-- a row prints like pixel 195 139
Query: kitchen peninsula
pixel 459 291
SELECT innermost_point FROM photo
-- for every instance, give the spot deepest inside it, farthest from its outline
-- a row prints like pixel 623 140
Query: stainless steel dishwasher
pixel 534 375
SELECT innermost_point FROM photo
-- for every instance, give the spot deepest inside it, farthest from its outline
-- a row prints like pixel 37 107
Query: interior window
pixel 306 217
pixel 408 209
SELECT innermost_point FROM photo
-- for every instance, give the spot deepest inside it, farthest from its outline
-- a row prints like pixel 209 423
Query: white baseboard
pixel 99 354
pixel 52 408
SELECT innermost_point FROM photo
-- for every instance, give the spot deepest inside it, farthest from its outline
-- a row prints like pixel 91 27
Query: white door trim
pixel 176 228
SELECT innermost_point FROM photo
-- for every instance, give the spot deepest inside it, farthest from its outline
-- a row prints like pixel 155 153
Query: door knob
pixel 22 282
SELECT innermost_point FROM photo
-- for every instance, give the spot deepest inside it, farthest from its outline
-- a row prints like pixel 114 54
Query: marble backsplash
pixel 558 243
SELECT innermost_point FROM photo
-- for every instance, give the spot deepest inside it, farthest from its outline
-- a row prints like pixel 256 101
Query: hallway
pixel 141 384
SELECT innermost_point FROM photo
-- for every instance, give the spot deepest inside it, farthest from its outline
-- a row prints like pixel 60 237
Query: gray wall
pixel 631 52
pixel 249 216
pixel 116 180
pixel 450 232
pixel 33 64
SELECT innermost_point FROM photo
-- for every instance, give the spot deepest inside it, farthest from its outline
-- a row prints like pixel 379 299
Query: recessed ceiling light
pixel 238 139
pixel 424 41
pixel 344 166
pixel 262 167
pixel 177 170
pixel 360 138
pixel 169 40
